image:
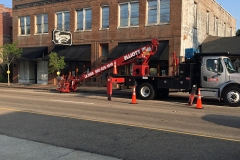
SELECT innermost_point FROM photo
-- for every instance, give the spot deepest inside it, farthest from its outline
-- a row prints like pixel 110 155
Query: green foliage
pixel 9 52
pixel 3 75
pixel 238 32
pixel 55 63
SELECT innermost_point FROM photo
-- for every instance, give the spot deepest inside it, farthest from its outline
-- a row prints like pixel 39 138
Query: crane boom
pixel 140 58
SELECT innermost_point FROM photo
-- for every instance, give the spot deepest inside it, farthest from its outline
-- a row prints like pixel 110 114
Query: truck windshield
pixel 229 65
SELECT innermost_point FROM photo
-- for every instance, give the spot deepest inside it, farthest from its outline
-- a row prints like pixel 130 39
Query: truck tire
pixel 146 91
pixel 231 96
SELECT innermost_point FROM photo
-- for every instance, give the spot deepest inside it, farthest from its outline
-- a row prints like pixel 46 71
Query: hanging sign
pixel 62 37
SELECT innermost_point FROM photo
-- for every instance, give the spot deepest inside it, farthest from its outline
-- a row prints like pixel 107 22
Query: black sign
pixel 61 37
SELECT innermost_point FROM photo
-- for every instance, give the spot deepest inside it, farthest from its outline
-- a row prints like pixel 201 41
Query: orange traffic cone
pixel 199 100
pixel 134 98
pixel 114 68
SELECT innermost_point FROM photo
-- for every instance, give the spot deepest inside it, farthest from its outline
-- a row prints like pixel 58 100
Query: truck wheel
pixel 231 96
pixel 146 91
pixel 163 93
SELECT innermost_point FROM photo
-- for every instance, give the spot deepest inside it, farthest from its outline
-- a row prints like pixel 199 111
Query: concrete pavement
pixel 15 149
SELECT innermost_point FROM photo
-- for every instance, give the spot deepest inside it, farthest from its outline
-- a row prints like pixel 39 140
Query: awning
pixel 160 50
pixel 73 53
pixel 124 48
pixel 32 53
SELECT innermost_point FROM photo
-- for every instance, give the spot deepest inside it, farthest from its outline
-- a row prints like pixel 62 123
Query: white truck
pixel 213 73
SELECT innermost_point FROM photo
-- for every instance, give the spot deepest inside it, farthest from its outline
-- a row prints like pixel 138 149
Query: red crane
pixel 139 58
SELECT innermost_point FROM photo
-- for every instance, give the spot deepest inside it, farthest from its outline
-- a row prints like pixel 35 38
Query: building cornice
pixel 39 3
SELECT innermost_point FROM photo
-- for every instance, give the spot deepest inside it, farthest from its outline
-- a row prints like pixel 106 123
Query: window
pixel 214 23
pixel 195 15
pixel 23 70
pixel 225 29
pixel 229 65
pixel 42 23
pixel 207 23
pixel 105 17
pixel 63 21
pixel 129 14
pixel 104 50
pixel 42 70
pixel 211 65
pixel 84 19
pixel 24 25
pixel 216 26
pixel 158 11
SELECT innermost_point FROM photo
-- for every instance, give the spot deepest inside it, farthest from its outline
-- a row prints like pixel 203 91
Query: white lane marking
pixel 70 101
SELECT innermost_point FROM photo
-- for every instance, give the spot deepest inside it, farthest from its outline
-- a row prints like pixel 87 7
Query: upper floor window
pixel 24 25
pixel 84 19
pixel 225 29
pixel 158 11
pixel 42 23
pixel 63 21
pixel 216 26
pixel 214 22
pixel 195 15
pixel 105 17
pixel 129 14
pixel 207 23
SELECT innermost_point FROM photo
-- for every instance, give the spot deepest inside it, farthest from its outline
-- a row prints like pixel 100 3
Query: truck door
pixel 210 77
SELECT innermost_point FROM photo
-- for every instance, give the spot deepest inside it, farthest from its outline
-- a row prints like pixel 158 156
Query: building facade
pixel 5 25
pixel 102 30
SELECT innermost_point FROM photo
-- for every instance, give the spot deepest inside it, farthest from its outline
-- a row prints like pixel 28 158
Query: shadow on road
pixel 230 121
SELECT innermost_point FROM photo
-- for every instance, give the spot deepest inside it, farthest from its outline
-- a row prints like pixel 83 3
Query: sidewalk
pixel 85 89
pixel 15 149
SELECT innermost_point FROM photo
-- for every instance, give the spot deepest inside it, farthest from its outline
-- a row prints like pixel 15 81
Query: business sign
pixel 61 37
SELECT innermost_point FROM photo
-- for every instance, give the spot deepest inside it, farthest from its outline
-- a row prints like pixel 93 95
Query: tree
pixel 56 63
pixel 238 32
pixel 9 52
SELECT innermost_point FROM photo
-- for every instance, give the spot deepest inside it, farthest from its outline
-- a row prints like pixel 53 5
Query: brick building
pixel 102 30
pixel 5 25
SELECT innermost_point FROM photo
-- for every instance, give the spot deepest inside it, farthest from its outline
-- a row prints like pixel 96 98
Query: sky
pixel 232 6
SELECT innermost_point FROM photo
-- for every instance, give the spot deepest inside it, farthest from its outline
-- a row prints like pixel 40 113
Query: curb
pixel 115 92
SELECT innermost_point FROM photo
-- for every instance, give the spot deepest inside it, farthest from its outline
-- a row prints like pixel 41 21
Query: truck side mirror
pixel 216 65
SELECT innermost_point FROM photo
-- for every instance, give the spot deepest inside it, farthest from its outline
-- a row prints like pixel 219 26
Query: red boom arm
pixel 140 57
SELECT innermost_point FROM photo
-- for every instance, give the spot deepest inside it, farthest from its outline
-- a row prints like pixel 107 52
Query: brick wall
pixel 178 32
pixel 5 25
pixel 113 34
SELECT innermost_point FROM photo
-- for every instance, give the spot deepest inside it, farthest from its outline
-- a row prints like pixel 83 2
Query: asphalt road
pixel 148 130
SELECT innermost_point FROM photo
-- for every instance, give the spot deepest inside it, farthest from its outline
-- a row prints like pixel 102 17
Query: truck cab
pixel 220 79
